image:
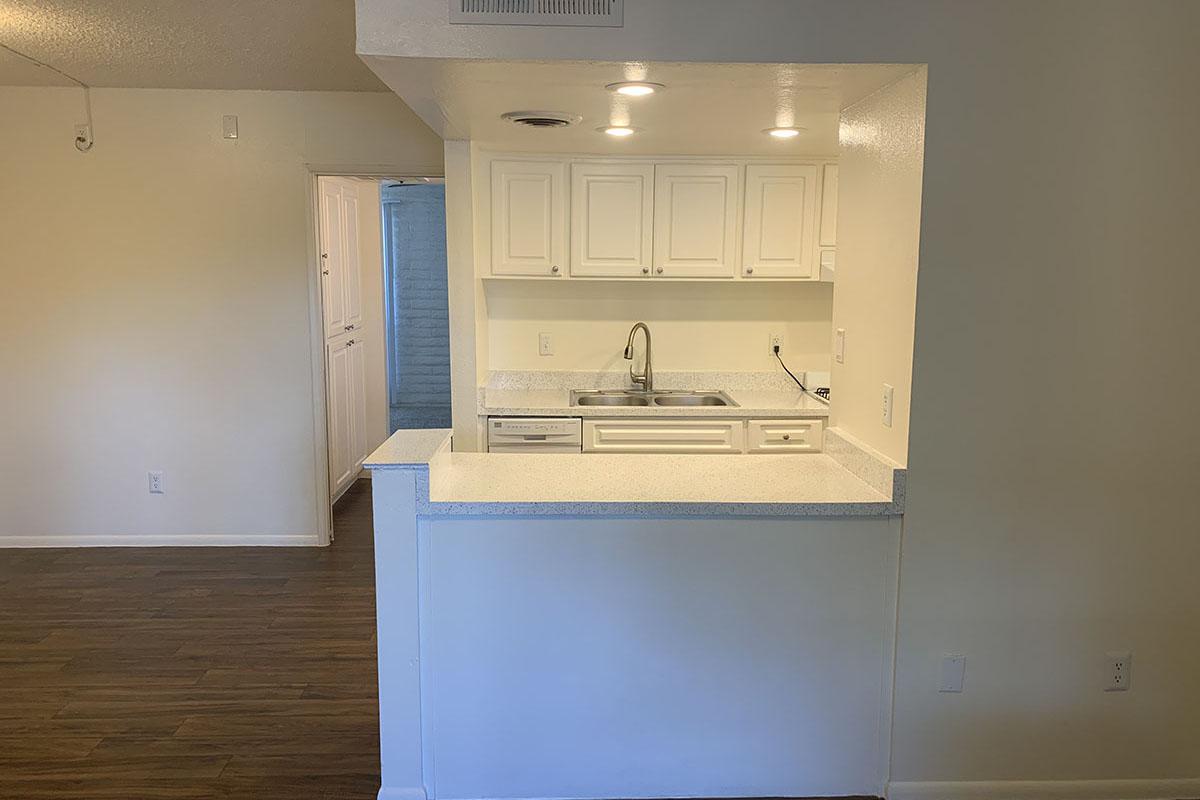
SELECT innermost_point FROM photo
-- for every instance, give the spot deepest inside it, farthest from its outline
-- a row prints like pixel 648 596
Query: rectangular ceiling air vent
pixel 594 13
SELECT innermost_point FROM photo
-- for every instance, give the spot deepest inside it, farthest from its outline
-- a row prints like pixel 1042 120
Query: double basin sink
pixel 620 397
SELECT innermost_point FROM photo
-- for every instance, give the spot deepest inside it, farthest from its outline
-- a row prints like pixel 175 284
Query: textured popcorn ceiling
pixel 185 44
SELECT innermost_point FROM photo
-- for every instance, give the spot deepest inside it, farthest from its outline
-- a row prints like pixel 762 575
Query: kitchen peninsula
pixel 547 622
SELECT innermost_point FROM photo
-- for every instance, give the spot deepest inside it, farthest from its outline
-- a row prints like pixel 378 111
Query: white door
pixel 612 219
pixel 352 275
pixel 333 257
pixel 695 220
pixel 781 214
pixel 340 413
pixel 528 217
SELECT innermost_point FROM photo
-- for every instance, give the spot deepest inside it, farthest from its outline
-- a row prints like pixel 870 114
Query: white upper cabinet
pixel 352 283
pixel 695 220
pixel 528 217
pixel 333 258
pixel 780 221
pixel 612 219
pixel 829 201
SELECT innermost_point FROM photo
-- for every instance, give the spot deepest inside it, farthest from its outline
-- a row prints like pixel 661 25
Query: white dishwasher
pixel 534 435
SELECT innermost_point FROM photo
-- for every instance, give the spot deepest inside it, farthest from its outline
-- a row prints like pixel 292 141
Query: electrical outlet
pixel 839 345
pixel 1117 672
pixel 545 345
pixel 888 397
pixel 776 341
pixel 954 669
pixel 156 482
pixel 229 129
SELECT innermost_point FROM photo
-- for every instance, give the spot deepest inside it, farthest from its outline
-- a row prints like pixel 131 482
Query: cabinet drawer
pixel 785 435
pixel 663 436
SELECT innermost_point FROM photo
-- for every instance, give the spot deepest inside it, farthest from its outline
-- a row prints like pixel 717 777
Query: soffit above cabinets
pixel 704 109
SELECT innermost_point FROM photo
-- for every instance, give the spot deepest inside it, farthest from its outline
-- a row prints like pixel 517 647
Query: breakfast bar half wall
pixel 634 626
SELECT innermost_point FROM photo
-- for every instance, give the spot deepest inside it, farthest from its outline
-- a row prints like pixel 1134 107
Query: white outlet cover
pixel 1118 669
pixel 839 345
pixel 889 400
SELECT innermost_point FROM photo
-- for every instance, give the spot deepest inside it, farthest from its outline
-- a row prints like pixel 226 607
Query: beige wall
pixel 695 326
pixel 1053 452
pixel 874 300
pixel 155 308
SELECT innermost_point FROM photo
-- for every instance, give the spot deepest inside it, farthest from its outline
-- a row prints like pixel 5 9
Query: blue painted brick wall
pixel 419 338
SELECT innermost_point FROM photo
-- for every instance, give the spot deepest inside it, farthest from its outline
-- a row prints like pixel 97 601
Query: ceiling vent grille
pixel 594 13
pixel 541 119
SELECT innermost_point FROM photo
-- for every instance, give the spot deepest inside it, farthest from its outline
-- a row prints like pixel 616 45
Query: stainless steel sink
pixel 620 397
pixel 610 400
pixel 691 400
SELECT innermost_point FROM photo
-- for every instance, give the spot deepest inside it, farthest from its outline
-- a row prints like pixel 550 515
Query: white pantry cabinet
pixel 828 233
pixel 347 410
pixel 695 220
pixel 528 218
pixel 663 436
pixel 341 278
pixel 780 221
pixel 612 219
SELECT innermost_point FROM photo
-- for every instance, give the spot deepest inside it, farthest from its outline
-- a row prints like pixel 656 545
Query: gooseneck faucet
pixel 646 379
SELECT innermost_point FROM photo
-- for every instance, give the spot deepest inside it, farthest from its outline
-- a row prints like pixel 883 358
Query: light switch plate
pixel 839 346
pixel 954 669
pixel 545 345
pixel 229 126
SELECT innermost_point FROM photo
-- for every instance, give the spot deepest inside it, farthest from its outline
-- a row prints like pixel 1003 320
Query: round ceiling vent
pixel 541 119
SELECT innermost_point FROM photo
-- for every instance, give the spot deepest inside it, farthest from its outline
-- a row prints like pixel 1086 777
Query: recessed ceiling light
pixel 634 88
pixel 618 130
pixel 784 133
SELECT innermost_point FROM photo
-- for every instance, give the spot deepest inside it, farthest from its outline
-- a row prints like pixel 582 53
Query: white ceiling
pixel 303 45
pixel 705 108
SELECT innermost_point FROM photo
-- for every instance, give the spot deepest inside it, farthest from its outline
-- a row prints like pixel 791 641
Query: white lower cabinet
pixel 784 435
pixel 663 436
pixel 347 411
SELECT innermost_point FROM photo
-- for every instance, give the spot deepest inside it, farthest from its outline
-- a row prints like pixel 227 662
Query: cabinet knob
pixel 787 436
pixel 349 343
pixel 324 255
pixel 554 269
pixel 749 270
pixel 645 270
pixel 324 272
pixel 349 327
pixel 659 270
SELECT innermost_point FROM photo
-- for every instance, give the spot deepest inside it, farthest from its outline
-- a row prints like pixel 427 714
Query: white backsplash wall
pixel 695 326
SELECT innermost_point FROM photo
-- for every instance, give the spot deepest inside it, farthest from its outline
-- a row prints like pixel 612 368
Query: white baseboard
pixel 417 793
pixel 1171 789
pixel 183 540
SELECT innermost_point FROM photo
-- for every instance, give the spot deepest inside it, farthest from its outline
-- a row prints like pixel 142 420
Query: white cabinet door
pixel 528 217
pixel 663 436
pixel 695 220
pixel 358 403
pixel 333 258
pixel 612 219
pixel 829 201
pixel 785 435
pixel 340 413
pixel 781 214
pixel 352 274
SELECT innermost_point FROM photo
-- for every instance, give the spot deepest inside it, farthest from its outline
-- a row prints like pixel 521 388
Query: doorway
pixel 384 314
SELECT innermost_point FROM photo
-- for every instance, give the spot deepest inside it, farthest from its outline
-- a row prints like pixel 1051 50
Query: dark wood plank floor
pixel 137 674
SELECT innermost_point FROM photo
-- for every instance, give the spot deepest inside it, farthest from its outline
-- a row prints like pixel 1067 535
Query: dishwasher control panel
pixel 534 435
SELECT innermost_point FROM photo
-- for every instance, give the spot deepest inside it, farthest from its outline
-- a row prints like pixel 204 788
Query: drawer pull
pixel 787 436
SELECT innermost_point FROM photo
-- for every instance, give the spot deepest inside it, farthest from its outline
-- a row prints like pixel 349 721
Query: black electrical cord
pixel 775 350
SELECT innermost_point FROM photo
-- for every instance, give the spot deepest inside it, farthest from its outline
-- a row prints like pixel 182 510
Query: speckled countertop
pixel 548 394
pixel 593 484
